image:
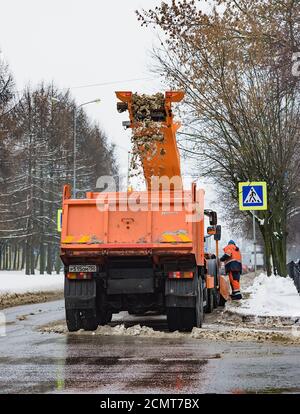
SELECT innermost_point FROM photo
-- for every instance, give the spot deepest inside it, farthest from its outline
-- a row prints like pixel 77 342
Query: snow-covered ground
pixel 269 296
pixel 17 282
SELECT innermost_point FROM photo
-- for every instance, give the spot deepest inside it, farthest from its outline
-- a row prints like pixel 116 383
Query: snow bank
pixel 18 282
pixel 271 296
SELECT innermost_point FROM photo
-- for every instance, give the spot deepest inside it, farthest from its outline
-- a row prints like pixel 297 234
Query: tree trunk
pixel 58 262
pixel 5 257
pixel 9 257
pixel 42 258
pixel 278 240
pixel 37 260
pixel 268 255
pixel 23 255
pixel 27 257
pixel 265 231
pixel 279 255
pixel 18 257
pixel 32 261
pixel 49 259
pixel 15 257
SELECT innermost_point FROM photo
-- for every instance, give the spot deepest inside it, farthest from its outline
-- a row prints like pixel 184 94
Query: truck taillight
pixel 181 275
pixel 79 275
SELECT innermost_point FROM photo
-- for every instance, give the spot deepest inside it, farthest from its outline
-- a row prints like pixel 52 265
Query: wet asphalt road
pixel 34 362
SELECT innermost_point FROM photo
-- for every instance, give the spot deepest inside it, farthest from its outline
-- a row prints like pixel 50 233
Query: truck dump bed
pixel 106 224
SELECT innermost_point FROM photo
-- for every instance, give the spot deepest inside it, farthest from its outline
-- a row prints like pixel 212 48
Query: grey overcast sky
pixel 79 43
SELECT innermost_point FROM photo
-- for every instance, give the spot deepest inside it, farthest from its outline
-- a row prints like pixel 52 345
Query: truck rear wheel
pixel 222 301
pixel 104 317
pixel 89 320
pixel 185 319
pixel 73 320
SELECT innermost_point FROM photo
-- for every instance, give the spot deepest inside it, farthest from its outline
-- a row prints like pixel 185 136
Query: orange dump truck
pixel 141 251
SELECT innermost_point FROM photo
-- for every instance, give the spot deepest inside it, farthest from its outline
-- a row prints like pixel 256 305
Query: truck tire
pixel 89 320
pixel 185 319
pixel 209 300
pixel 181 319
pixel 173 319
pixel 73 320
pixel 212 269
pixel 222 301
pixel 200 308
pixel 216 295
pixel 104 317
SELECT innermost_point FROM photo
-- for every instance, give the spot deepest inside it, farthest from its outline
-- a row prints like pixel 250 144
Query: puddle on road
pixel 174 377
pixel 91 374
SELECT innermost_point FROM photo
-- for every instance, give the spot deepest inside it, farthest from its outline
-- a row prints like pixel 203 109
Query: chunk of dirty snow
pixel 270 296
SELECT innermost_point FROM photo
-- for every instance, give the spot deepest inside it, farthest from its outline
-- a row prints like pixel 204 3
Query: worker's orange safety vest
pixel 235 255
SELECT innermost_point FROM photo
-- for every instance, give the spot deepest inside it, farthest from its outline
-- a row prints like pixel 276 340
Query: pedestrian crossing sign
pixel 253 195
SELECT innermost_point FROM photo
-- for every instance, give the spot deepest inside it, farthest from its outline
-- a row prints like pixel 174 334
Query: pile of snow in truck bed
pixel 18 282
pixel 271 296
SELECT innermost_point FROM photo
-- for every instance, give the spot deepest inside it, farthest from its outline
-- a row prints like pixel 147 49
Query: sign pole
pixel 254 243
pixel 252 197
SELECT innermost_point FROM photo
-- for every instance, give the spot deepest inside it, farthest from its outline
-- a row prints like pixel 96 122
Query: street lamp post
pixel 75 139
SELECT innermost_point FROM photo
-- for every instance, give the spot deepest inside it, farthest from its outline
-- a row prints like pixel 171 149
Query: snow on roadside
pixel 269 296
pixel 17 282
pixel 227 334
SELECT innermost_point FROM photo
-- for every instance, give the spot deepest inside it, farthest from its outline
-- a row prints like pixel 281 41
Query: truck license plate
pixel 82 268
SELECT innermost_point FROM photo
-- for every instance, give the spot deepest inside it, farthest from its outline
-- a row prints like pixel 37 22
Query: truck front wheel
pixel 209 300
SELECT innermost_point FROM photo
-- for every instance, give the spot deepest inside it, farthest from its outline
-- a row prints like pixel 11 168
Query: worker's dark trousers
pixel 234 278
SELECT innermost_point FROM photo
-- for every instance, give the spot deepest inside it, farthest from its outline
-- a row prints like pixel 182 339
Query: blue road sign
pixel 253 196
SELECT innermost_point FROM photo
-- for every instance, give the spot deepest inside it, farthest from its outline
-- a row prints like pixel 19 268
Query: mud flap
pixel 181 293
pixel 224 288
pixel 80 294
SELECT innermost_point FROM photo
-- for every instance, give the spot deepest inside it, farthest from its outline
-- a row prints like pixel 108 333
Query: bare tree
pixel 39 146
pixel 242 100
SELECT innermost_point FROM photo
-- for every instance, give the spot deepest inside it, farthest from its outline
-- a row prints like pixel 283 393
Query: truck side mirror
pixel 218 233
pixel 213 218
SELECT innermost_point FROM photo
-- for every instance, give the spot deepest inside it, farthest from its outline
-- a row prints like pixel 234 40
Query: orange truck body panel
pixel 91 225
